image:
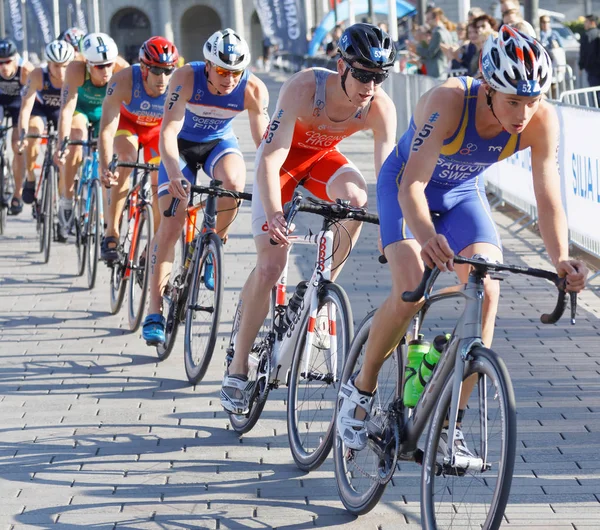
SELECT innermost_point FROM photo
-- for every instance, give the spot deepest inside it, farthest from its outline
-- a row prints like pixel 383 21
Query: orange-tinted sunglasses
pixel 223 72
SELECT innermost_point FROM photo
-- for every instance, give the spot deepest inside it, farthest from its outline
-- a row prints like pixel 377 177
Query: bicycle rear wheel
pixel 7 187
pixel 204 308
pixel 140 264
pixel 259 364
pixel 118 282
pixel 454 497
pixel 81 240
pixel 362 476
pixel 94 233
pixel 315 378
pixel 170 300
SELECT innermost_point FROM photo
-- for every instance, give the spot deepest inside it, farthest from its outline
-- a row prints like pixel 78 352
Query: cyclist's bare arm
pixel 26 69
pixel 382 121
pixel 74 78
pixel 435 117
pixel 295 100
pixel 34 83
pixel 256 100
pixel 181 87
pixel 117 92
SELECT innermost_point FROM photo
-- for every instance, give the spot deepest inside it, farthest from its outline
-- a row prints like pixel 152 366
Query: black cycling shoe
pixel 16 206
pixel 109 253
pixel 29 192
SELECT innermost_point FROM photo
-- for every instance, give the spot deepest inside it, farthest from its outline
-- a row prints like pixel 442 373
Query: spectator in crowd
pixel 332 46
pixel 549 38
pixel 473 13
pixel 552 42
pixel 511 15
pixel 431 53
pixel 589 54
pixel 266 56
pixel 464 50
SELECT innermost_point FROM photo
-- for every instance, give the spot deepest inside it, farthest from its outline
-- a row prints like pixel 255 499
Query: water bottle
pixel 295 303
pixel 416 351
pixel 190 254
pixel 429 362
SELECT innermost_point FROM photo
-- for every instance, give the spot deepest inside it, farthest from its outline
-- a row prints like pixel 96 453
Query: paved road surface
pixel 95 433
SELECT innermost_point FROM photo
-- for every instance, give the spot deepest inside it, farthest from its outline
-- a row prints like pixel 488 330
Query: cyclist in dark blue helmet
pixel 13 76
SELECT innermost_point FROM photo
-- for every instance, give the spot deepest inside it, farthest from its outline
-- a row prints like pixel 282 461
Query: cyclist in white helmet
pixel 40 104
pixel 82 95
pixel 459 129
pixel 196 131
pixel 73 36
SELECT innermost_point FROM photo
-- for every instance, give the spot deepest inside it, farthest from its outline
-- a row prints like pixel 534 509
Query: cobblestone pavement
pixel 95 433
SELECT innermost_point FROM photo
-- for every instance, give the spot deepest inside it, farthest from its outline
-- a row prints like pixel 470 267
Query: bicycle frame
pixel 283 347
pixel 466 336
pixel 137 201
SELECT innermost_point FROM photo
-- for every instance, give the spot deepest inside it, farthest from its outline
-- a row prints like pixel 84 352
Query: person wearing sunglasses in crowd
pixel 13 76
pixel 196 132
pixel 41 105
pixel 458 130
pixel 82 95
pixel 316 110
pixel 131 116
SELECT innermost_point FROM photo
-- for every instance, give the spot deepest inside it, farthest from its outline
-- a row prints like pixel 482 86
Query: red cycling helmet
pixel 158 51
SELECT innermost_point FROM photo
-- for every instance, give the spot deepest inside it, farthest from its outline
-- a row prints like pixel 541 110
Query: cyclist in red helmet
pixel 131 116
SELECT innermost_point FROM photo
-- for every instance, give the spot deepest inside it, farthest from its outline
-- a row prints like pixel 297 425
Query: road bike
pixel 88 217
pixel 194 291
pixel 303 344
pixel 45 205
pixel 136 230
pixel 456 491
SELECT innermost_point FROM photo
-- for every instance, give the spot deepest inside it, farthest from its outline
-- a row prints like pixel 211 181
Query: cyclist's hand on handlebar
pixel 436 252
pixel 21 146
pixel 278 228
pixel 576 273
pixel 178 188
pixel 109 179
pixel 60 158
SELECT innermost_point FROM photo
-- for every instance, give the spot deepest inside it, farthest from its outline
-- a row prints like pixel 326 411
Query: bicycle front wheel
pixel 118 281
pixel 362 476
pixel 94 233
pixel 473 496
pixel 204 308
pixel 81 241
pixel 140 264
pixel 4 197
pixel 315 377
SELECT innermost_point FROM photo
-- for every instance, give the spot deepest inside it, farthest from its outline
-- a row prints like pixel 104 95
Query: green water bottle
pixel 416 351
pixel 429 362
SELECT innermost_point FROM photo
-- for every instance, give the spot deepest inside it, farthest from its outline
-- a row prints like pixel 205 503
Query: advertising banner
pixel 283 21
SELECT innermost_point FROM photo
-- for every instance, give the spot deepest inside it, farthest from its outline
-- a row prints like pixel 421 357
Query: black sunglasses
pixel 365 76
pixel 157 70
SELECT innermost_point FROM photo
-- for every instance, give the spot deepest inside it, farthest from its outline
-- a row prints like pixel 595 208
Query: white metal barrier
pixel 584 97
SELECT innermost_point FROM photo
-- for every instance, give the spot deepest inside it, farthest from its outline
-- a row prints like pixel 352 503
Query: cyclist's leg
pixel 125 147
pixel 18 164
pixel 74 156
pixel 334 177
pixel 150 140
pixel 270 261
pixel 36 126
pixel 226 163
pixel 163 243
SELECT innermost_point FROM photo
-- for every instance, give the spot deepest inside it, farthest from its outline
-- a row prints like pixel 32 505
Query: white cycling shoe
pixel 463 457
pixel 351 430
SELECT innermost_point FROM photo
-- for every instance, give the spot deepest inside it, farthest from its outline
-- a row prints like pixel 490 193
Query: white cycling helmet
pixel 225 48
pixel 515 63
pixel 59 51
pixel 98 48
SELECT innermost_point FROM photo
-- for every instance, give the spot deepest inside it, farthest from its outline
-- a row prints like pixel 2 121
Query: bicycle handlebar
pixel 330 210
pixel 114 164
pixel 482 266
pixel 214 190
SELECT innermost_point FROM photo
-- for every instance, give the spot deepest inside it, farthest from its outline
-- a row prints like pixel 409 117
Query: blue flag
pixel 284 23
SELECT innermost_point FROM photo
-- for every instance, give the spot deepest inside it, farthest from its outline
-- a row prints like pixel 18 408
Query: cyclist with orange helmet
pixel 131 117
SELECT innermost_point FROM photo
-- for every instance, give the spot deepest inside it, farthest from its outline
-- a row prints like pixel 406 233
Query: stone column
pixel 237 18
pixel 165 20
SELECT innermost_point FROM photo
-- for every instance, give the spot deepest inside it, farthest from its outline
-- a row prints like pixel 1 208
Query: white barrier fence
pixel 579 161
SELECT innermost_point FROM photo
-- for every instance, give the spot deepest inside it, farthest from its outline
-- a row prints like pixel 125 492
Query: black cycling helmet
pixel 367 45
pixel 8 49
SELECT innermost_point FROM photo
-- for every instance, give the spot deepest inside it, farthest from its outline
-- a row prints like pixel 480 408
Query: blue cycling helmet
pixel 368 45
pixel 8 49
